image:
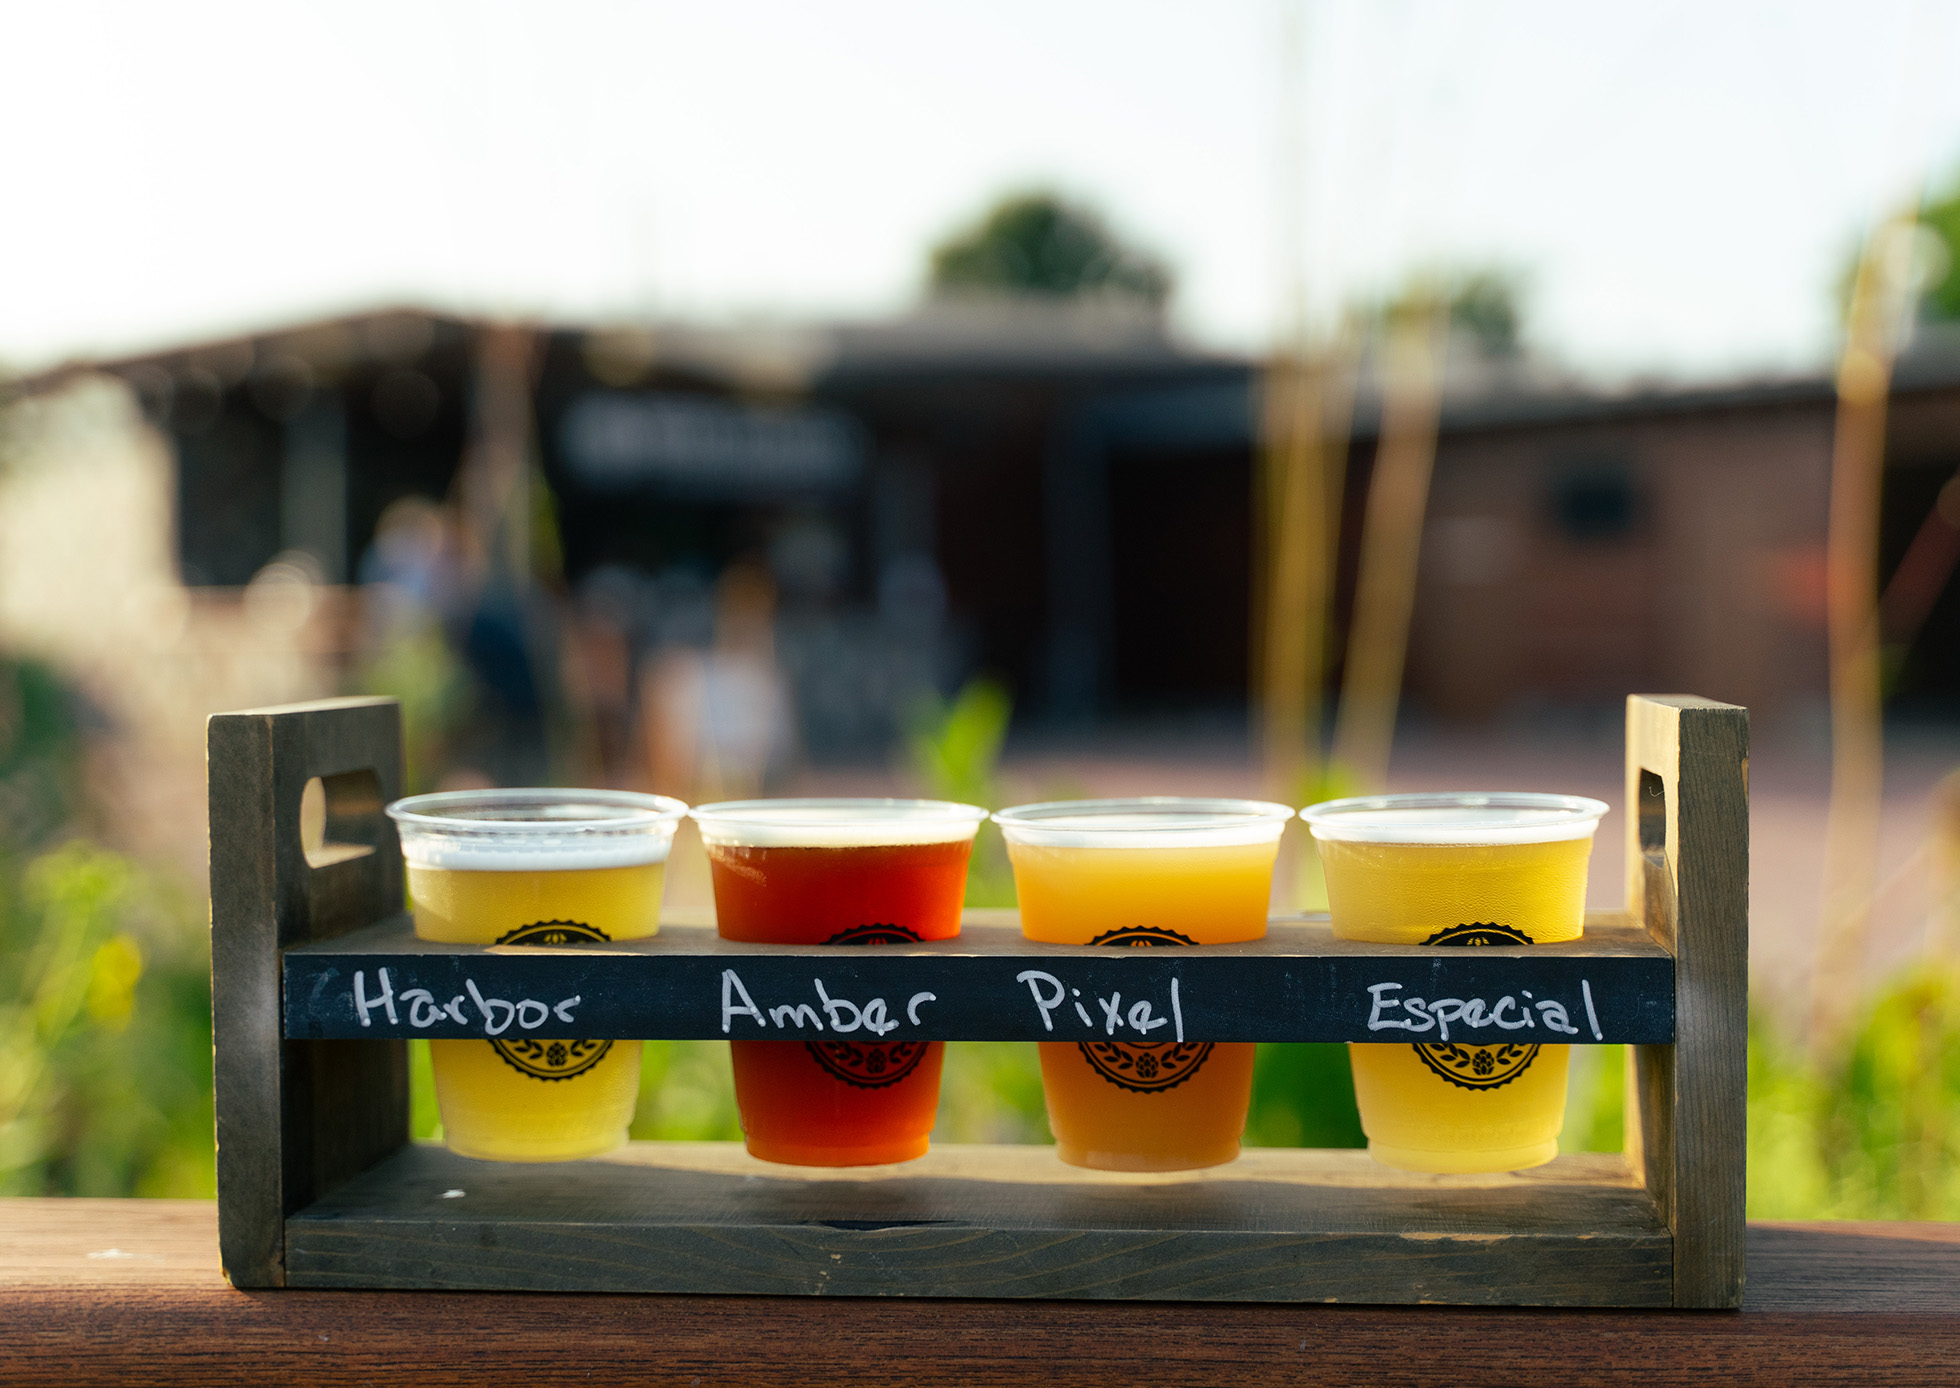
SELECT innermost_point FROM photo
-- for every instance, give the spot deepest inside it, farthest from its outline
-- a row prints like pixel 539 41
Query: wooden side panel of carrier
pixel 295 1118
pixel 1687 796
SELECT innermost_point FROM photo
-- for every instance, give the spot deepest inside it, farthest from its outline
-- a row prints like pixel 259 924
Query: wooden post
pixel 296 1118
pixel 1687 797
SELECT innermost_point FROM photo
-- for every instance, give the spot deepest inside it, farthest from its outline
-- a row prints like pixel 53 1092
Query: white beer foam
pixel 865 824
pixel 536 830
pixel 1133 824
pixel 540 853
pixel 1468 822
pixel 1143 832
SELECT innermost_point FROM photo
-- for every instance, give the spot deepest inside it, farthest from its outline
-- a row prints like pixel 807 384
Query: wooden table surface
pixel 128 1292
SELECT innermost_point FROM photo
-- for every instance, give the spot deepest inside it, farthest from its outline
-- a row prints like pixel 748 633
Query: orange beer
pixel 1500 868
pixel 537 867
pixel 838 872
pixel 1144 873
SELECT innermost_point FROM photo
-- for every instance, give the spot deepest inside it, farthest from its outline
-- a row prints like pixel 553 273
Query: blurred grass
pixel 105 1013
pixel 1874 1135
pixel 415 663
pixel 953 747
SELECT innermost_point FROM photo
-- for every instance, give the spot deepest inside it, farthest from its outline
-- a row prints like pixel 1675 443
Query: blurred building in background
pixel 718 554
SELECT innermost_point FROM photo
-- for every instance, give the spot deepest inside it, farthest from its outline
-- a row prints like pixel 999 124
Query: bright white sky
pixel 1679 179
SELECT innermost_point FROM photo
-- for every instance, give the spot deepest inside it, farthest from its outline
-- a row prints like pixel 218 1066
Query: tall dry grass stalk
pixel 492 487
pixel 1879 299
pixel 1306 411
pixel 1391 542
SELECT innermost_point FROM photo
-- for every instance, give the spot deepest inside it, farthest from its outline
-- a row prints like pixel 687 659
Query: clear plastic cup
pixel 1151 872
pixel 535 867
pixel 1497 868
pixel 838 872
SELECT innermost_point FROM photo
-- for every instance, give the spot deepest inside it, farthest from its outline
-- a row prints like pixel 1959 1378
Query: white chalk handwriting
pixel 840 1016
pixel 1508 1013
pixel 426 1010
pixel 1141 1017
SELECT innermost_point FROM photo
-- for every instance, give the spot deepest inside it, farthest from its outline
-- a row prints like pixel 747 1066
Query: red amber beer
pixel 1139 874
pixel 838 872
pixel 1498 868
pixel 537 867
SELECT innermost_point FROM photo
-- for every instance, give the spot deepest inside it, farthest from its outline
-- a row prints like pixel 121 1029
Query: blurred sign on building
pixel 705 446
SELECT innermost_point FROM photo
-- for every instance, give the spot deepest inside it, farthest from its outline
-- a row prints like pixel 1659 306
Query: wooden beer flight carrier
pixel 319 1185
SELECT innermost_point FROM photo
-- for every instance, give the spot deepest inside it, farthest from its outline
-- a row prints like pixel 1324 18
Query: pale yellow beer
pixel 1132 874
pixel 535 867
pixel 1464 870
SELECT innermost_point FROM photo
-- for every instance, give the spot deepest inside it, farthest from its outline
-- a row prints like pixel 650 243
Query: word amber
pixel 844 1016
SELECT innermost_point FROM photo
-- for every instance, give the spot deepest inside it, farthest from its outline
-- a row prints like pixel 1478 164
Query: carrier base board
pixel 992 1221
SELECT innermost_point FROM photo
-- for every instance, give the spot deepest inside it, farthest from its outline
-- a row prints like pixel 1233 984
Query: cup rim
pixel 783 812
pixel 1055 813
pixel 636 812
pixel 1461 817
pixel 1145 821
pixel 836 821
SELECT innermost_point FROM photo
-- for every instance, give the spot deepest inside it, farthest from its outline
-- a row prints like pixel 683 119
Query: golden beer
pixel 1459 870
pixel 535 867
pixel 1144 874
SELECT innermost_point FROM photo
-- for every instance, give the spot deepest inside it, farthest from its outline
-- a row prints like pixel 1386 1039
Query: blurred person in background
pixel 717 720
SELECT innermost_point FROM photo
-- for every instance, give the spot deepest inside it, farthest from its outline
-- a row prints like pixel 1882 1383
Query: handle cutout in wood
pixel 340 817
pixel 1652 813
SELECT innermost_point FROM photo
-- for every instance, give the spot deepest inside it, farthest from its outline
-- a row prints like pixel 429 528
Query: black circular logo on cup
pixel 553 933
pixel 551 1060
pixel 1480 934
pixel 1145 1067
pixel 1144 936
pixel 875 935
pixel 1478 1067
pixel 874 1066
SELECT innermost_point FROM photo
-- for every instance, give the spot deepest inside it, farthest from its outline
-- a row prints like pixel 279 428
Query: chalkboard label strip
pixel 990 985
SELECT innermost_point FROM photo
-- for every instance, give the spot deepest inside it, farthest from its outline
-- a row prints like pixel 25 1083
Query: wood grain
pixel 992 1221
pixel 1833 1303
pixel 1300 983
pixel 295 1118
pixel 1688 879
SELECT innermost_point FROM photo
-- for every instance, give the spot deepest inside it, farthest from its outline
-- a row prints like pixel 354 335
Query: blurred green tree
pixel 1937 255
pixel 1486 304
pixel 1039 244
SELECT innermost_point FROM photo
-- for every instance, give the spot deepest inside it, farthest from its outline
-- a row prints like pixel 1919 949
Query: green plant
pixel 1303 1096
pixel 1873 1133
pixel 105 1011
pixel 954 749
pixel 1595 1100
pixel 415 664
pixel 105 1039
pixel 686 1093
